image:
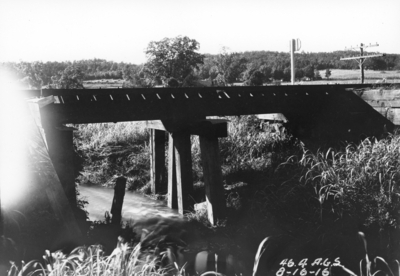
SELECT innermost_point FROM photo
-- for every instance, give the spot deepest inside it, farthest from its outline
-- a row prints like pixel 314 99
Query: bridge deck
pixel 138 104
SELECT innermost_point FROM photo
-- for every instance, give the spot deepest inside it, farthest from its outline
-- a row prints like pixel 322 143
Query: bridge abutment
pixel 60 145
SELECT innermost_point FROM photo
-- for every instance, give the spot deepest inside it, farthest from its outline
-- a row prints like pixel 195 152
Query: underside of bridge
pixel 318 113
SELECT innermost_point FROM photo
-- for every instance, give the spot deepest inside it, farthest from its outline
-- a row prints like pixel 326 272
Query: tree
pixel 31 74
pixel 299 73
pixel 309 72
pixel 277 74
pixel 317 75
pixel 230 65
pixel 173 58
pixel 327 73
pixel 256 79
pixel 71 78
pixel 267 72
pixel 220 80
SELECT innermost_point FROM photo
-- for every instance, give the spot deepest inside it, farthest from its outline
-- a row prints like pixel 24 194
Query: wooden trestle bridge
pixel 315 112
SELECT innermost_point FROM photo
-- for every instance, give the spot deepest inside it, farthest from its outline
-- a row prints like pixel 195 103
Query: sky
pixel 120 30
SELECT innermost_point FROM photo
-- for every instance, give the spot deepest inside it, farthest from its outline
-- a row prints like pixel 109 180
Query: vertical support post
pixel 362 64
pixel 210 158
pixel 157 168
pixel 172 189
pixel 292 49
pixel 61 151
pixel 184 179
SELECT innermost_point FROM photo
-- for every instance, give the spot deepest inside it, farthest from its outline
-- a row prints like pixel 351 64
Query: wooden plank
pixel 217 127
pixel 157 160
pixel 172 187
pixel 183 162
pixel 210 157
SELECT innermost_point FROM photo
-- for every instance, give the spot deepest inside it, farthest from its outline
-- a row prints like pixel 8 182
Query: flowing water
pixel 135 206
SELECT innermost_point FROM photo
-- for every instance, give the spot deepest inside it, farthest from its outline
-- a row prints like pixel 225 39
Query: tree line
pixel 65 74
pixel 176 62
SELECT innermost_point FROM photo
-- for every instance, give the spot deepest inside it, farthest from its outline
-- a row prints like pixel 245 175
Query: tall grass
pixel 93 136
pixel 129 260
pixel 109 150
pixel 363 179
pixel 251 145
pixel 124 260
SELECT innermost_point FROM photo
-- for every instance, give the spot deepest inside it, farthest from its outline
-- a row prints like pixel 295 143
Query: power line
pixel 361 59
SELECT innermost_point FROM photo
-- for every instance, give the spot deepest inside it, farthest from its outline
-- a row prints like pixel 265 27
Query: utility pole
pixel 295 45
pixel 362 58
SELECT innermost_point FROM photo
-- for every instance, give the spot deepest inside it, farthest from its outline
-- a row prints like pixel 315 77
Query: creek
pixel 135 206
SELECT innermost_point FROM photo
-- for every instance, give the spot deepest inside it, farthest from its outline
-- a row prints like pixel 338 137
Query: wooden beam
pixel 210 157
pixel 174 104
pixel 215 127
pixel 184 179
pixel 172 188
pixel 157 160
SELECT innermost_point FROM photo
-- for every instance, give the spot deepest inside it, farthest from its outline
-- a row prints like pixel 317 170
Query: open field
pixel 338 76
pixel 93 84
pixel 353 76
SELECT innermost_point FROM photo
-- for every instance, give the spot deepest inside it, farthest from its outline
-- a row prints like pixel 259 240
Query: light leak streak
pixel 13 143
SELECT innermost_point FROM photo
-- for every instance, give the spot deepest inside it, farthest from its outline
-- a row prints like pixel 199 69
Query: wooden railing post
pixel 157 166
pixel 210 158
